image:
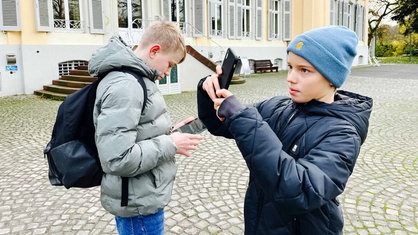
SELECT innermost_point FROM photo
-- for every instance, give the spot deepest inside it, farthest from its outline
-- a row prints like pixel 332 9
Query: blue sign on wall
pixel 11 68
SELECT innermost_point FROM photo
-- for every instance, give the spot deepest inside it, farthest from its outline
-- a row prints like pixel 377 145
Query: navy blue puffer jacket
pixel 300 157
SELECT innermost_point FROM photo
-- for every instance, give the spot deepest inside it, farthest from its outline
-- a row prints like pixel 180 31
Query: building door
pixel 170 84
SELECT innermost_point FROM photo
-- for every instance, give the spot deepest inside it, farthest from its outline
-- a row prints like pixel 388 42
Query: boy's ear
pixel 154 49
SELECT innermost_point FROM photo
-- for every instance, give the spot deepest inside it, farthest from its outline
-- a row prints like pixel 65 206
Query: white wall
pixel 190 72
pixel 362 57
pixel 11 82
pixel 41 62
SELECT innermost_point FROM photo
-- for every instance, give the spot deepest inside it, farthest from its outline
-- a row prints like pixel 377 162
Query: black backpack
pixel 71 153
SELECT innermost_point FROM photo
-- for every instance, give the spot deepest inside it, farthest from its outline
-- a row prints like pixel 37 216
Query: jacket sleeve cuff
pixel 230 106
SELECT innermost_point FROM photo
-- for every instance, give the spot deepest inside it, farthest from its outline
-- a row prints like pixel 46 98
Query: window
pixel 130 14
pixel 9 15
pixel 246 19
pixel 67 14
pixel 215 18
pixel 343 12
pixel 175 11
pixel 65 67
pixel 274 19
pixel 240 22
pixel 279 13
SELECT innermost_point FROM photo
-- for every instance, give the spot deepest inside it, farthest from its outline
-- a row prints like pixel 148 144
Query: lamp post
pixel 410 44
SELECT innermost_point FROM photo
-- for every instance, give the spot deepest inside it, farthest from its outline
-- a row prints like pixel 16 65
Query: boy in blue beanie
pixel 301 150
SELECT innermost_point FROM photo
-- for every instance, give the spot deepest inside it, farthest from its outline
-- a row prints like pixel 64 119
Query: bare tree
pixel 379 10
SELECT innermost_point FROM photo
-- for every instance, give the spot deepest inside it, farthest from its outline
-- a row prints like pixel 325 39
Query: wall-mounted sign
pixel 11 68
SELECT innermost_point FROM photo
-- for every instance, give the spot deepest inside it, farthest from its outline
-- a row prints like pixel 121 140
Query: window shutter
pixel 43 10
pixel 270 22
pixel 231 19
pixel 198 18
pixel 239 19
pixel 9 20
pixel 259 20
pixel 96 17
pixel 345 16
pixel 165 5
pixel 361 13
pixel 340 13
pixel 287 20
pixel 332 12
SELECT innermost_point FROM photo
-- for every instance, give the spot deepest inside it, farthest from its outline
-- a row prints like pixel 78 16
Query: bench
pixel 264 65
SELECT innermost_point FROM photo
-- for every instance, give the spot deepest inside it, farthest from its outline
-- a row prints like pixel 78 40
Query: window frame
pixel 274 19
pixel 216 4
pixel 96 16
pixel 10 16
pixel 247 16
pixel 67 20
pixel 131 21
pixel 167 11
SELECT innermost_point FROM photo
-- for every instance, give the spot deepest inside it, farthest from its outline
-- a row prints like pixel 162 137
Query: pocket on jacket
pixel 336 214
pixel 164 173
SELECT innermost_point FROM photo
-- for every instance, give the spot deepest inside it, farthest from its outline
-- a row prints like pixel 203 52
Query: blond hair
pixel 165 33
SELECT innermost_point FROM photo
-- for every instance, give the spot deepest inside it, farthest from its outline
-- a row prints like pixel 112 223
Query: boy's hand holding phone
pixel 190 125
pixel 222 79
pixel 229 65
pixel 186 136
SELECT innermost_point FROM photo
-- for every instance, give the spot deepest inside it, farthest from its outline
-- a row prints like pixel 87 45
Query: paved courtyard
pixel 381 196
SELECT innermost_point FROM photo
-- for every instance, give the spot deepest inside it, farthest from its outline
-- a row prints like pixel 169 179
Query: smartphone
pixel 229 65
pixel 194 127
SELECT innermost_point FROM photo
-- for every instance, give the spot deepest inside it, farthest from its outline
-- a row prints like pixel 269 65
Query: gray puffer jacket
pixel 131 143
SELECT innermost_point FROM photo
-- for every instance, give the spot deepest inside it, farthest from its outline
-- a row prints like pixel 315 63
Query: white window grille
pixel 65 67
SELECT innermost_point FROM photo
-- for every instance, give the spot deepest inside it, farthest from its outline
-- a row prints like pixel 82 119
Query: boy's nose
pixel 290 76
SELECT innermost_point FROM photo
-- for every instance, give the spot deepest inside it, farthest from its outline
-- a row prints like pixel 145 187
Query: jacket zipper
pixel 289 120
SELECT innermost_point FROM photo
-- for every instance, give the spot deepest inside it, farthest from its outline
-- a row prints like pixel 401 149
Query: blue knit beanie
pixel 330 50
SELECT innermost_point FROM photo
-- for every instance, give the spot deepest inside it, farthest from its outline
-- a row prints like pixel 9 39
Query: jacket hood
pixel 352 107
pixel 116 55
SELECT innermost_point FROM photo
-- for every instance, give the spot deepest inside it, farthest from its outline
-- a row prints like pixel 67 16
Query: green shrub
pixel 384 49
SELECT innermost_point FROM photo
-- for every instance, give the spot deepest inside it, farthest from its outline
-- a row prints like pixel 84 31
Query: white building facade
pixel 43 39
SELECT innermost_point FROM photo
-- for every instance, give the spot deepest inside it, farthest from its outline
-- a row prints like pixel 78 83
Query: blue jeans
pixel 141 225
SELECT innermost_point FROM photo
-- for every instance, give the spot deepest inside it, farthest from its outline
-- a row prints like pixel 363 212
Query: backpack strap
pixel 140 79
pixel 125 191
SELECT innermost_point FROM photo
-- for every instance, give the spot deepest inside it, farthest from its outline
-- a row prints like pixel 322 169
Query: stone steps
pixel 67 84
